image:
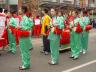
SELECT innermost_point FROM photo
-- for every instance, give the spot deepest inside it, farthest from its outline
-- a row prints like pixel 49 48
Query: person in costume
pixel 11 36
pixel 24 40
pixel 5 35
pixel 60 16
pixel 37 30
pixel 56 22
pixel 76 31
pixel 45 24
pixel 31 24
pixel 85 33
pixel 3 31
pixel 17 24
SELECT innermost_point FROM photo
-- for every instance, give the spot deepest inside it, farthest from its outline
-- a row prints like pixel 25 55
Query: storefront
pixel 9 4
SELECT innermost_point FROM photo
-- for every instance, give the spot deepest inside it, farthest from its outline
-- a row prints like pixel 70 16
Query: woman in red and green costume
pixel 11 36
pixel 75 41
pixel 54 37
pixel 24 41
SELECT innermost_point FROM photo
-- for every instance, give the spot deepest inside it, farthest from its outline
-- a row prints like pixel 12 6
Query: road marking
pixel 80 66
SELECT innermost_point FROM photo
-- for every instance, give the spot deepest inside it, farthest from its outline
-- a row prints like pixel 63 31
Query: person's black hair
pixel 60 12
pixel 24 9
pixel 56 9
pixel 45 10
pixel 85 12
pixel 12 11
pixel 1 10
pixel 77 12
pixel 5 11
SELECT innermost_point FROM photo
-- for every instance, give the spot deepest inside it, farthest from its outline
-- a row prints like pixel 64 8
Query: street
pixel 39 62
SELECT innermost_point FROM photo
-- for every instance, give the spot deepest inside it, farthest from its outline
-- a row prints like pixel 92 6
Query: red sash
pixel 23 33
pixel 57 31
pixel 79 29
pixel 3 37
pixel 13 30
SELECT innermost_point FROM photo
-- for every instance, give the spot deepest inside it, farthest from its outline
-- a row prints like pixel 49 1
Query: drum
pixel 65 37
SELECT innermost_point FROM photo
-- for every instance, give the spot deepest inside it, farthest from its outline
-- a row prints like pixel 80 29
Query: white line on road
pixel 80 66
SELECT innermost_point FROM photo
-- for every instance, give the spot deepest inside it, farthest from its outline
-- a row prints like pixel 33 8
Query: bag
pixel 88 27
pixel 79 29
pixel 23 33
pixel 57 31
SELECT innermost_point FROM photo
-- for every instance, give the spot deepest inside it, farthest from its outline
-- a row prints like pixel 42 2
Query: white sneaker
pixel 84 52
pixel 46 53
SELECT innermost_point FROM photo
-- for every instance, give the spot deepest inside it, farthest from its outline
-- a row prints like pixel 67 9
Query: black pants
pixel 46 44
pixel 94 24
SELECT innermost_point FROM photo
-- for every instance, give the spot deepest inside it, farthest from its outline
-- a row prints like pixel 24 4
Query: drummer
pixel 75 42
pixel 85 33
pixel 24 42
pixel 54 37
pixel 11 36
pixel 31 24
pixel 1 10
pixel 17 24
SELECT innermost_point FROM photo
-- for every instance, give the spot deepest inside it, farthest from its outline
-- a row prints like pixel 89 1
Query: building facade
pixel 50 3
pixel 15 4
pixel 85 3
pixel 9 4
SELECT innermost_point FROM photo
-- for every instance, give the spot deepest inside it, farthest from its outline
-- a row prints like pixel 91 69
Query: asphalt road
pixel 39 62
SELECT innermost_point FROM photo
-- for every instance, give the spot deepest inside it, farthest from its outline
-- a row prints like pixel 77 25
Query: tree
pixel 34 7
pixel 20 4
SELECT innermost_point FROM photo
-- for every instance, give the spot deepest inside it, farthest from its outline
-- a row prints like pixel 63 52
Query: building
pixel 9 4
pixel 85 3
pixel 15 4
pixel 92 3
pixel 51 3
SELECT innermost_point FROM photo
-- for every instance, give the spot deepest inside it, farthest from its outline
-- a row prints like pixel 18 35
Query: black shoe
pixel 50 63
pixel 31 48
pixel 0 54
pixel 75 58
pixel 71 57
